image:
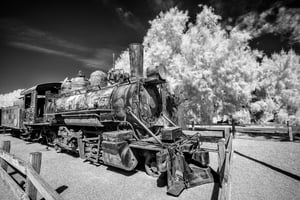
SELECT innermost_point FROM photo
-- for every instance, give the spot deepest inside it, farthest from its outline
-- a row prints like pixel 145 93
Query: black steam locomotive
pixel 117 119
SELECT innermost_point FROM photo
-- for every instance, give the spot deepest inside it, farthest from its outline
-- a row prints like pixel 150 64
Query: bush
pixel 9 98
pixel 294 120
pixel 282 116
pixel 242 117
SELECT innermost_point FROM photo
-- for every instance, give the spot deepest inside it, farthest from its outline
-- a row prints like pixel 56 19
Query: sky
pixel 46 41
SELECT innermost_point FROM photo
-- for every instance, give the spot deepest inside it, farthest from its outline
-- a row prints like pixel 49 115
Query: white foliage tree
pixel 8 98
pixel 280 78
pixel 123 61
pixel 212 70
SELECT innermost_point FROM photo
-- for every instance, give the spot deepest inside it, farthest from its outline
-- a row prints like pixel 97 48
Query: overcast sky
pixel 45 41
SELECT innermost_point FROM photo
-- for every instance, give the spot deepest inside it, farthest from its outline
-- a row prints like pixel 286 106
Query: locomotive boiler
pixel 120 120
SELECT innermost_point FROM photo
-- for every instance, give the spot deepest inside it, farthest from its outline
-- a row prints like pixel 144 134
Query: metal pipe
pixel 134 135
pixel 145 127
pixel 81 115
pixel 166 118
pixel 80 111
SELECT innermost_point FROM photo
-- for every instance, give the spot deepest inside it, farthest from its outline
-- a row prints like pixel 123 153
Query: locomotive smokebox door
pixel 171 134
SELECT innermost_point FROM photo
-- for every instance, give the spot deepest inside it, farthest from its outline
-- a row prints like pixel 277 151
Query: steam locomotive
pixel 116 119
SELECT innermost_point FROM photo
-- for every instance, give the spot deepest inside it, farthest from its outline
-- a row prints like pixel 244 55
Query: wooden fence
pixel 225 149
pixel 223 136
pixel 225 155
pixel 34 182
pixel 289 131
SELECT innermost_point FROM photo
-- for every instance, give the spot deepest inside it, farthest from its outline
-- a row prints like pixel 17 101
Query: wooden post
pixel 233 127
pixel 290 131
pixel 226 134
pixel 35 161
pixel 221 158
pixel 4 130
pixel 290 134
pixel 193 125
pixel 5 145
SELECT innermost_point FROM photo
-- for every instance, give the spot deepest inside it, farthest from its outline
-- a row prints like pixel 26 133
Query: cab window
pixel 27 100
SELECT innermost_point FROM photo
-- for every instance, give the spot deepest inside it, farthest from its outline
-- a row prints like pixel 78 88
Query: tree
pixel 8 98
pixel 219 68
pixel 214 71
pixel 280 78
pixel 123 62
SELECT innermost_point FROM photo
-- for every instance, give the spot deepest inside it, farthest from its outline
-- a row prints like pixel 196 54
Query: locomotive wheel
pixel 50 137
pixel 151 165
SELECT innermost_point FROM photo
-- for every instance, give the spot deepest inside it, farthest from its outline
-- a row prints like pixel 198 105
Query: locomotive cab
pixel 36 100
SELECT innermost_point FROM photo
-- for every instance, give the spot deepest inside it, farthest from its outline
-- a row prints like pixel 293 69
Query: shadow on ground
pixel 277 137
pixel 291 175
pixel 59 190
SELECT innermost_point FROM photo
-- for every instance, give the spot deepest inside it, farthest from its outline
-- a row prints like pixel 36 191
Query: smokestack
pixel 136 52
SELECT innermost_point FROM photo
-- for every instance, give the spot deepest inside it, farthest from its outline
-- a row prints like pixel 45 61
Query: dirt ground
pixel 265 169
pixel 262 169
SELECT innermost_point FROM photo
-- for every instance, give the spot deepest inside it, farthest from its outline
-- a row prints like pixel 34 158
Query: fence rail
pixel 34 182
pixel 223 136
pixel 289 131
pixel 225 148
pixel 225 155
